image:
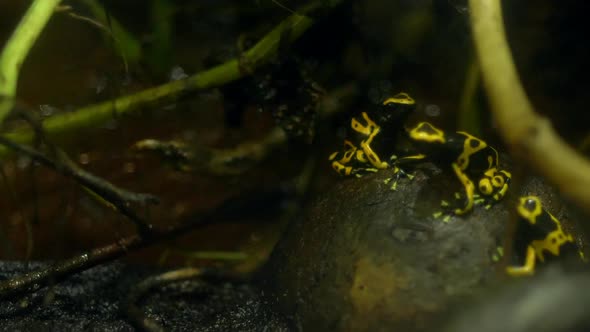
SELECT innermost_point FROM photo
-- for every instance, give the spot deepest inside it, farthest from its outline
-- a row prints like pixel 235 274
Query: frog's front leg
pixel 370 131
pixel 469 189
pixel 372 156
pixel 528 268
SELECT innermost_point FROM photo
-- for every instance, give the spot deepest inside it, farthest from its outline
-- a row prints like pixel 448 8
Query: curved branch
pixel 528 135
pixel 145 322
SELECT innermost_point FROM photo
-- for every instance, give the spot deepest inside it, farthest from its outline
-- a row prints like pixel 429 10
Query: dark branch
pixel 118 197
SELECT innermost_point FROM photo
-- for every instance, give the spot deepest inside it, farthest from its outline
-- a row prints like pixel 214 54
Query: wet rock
pixel 367 258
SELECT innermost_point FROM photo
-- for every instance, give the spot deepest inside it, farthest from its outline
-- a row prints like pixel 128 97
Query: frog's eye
pixel 485 186
pixel 473 143
pixel 530 203
pixel 529 208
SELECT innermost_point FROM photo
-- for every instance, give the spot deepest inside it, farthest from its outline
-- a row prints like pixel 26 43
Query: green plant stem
pixel 124 42
pixel 211 255
pixel 529 136
pixel 95 115
pixel 17 47
pixel 469 114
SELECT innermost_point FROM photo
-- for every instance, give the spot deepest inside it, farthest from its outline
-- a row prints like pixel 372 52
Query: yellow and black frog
pixel 475 163
pixel 539 237
pixel 371 142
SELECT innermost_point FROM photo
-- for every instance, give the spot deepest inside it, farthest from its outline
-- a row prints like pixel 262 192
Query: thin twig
pixel 35 280
pixel 226 212
pixel 123 41
pixel 528 135
pixel 137 316
pixel 118 197
pixel 232 161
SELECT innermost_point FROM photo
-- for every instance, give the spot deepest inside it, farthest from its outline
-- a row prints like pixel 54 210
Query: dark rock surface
pixel 367 258
pixel 92 301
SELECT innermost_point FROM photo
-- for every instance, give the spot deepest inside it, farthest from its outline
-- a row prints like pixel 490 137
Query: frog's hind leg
pixel 341 161
pixel 410 159
pixel 341 169
pixel 469 190
pixel 528 268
